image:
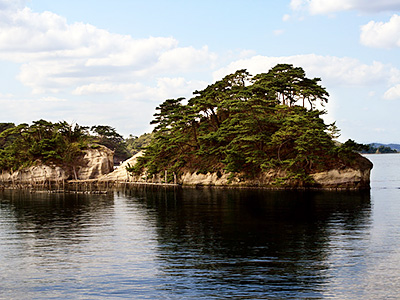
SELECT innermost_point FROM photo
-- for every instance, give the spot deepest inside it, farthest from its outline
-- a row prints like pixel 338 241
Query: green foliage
pixel 136 144
pixel 351 146
pixel 371 148
pixel 247 125
pixel 109 137
pixel 59 143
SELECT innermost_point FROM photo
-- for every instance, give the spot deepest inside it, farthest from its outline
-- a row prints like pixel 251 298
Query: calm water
pixel 210 244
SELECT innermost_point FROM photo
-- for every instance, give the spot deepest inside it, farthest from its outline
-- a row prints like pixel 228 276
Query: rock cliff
pixel 95 163
pixel 121 174
pixel 356 177
pixel 350 178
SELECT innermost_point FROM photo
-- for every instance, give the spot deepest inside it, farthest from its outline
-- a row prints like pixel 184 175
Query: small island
pixel 46 152
pixel 261 131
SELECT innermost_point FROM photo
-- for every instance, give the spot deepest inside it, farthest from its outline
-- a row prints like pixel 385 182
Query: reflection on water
pixel 252 242
pixel 73 246
pixel 186 243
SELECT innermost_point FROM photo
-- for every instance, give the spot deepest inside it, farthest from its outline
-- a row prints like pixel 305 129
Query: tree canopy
pixel 107 136
pixel 246 125
pixel 59 143
pixel 136 144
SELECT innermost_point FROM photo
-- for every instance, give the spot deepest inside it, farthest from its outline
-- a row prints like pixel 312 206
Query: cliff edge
pixel 93 164
pixel 356 177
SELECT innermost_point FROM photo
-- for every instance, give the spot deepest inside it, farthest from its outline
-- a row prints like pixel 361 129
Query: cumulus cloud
pixel 380 34
pixel 165 87
pixel 52 99
pixel 315 7
pixel 393 93
pixel 56 56
pixel 334 71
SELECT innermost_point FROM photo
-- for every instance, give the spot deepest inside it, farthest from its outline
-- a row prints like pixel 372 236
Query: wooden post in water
pixel 44 181
pixel 32 184
pixel 165 176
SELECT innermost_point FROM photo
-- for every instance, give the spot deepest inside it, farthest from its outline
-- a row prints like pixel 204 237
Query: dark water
pixel 204 244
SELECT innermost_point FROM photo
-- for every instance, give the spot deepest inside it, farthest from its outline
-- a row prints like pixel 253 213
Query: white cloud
pixel 6 96
pixel 107 88
pixel 393 93
pixel 329 6
pixel 380 34
pixel 286 18
pixel 315 7
pixel 56 56
pixel 297 4
pixel 335 72
pixel 165 87
pixel 52 99
pixel 341 71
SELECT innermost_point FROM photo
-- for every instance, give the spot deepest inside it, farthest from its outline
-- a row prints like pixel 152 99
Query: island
pixel 253 131
pixel 262 131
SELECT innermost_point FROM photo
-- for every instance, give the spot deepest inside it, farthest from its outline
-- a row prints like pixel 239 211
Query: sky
pixel 101 62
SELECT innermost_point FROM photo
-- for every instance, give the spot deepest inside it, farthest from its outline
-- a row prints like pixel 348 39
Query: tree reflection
pixel 57 217
pixel 274 242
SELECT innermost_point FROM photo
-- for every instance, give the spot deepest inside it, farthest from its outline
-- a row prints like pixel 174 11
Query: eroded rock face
pixel 357 177
pixel 352 178
pixel 206 179
pixel 35 174
pixel 349 178
pixel 121 174
pixel 96 162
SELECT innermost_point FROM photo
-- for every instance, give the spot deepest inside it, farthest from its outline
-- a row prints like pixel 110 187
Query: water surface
pixel 208 243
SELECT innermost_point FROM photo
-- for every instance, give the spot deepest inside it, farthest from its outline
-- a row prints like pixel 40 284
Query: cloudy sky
pixel 112 62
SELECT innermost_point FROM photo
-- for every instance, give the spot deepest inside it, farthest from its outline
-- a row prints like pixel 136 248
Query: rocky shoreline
pixel 98 174
pixel 96 162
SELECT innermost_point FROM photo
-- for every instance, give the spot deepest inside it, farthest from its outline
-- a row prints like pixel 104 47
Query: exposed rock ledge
pixel 121 174
pixel 95 163
pixel 356 177
pixel 98 164
pixel 349 178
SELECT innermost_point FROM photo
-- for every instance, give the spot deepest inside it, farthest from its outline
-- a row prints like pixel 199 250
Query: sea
pixel 208 243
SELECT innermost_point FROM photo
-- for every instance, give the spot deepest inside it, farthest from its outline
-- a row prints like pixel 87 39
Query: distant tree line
pixel 371 148
pixel 60 143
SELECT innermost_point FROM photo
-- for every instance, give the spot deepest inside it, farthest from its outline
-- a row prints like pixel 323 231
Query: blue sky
pixel 112 62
